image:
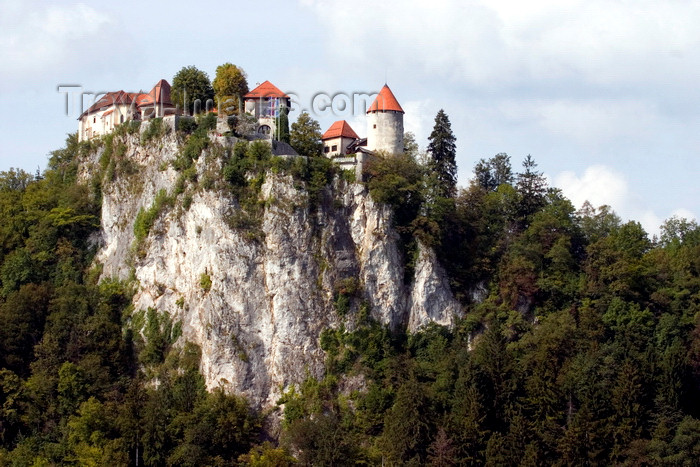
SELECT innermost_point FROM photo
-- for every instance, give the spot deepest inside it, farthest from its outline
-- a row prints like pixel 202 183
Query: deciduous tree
pixel 189 85
pixel 230 85
pixel 305 136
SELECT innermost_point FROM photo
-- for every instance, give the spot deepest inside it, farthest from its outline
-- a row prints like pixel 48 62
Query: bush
pixel 208 122
pixel 186 125
pixel 196 143
pixel 146 217
pixel 133 127
pixel 187 201
pixel 156 129
pixel 205 282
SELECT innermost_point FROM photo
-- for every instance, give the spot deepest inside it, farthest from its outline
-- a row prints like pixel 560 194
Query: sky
pixel 602 93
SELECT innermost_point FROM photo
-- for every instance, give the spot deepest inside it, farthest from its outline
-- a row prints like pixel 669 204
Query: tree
pixel 410 146
pixel 283 124
pixel 305 136
pixel 492 173
pixel 189 85
pixel 532 187
pixel 442 152
pixel 230 85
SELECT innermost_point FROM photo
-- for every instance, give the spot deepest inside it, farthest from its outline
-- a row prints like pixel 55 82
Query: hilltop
pixel 177 297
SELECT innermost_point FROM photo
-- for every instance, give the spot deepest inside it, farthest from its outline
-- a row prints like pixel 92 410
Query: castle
pixel 340 142
pixel 115 108
pixel 384 133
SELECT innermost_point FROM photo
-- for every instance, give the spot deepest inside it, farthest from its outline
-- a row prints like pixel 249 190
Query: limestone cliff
pixel 272 292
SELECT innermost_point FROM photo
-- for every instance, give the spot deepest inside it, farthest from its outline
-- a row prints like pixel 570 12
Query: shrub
pixel 259 151
pixel 186 125
pixel 156 129
pixel 205 282
pixel 146 217
pixel 133 126
pixel 187 201
pixel 208 122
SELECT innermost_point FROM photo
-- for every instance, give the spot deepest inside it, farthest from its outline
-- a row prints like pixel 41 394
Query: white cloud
pixel 499 42
pixel 36 39
pixel 586 121
pixel 419 119
pixel 600 185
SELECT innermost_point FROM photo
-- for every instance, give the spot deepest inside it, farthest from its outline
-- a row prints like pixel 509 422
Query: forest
pixel 579 345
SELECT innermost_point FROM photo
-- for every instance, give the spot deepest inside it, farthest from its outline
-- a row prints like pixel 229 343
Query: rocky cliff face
pixel 272 293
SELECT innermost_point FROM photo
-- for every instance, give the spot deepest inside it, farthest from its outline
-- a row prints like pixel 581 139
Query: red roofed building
pixel 337 138
pixel 114 108
pixel 385 123
pixel 265 103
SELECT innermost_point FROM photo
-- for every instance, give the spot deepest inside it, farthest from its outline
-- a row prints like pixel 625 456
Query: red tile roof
pixel 385 101
pixel 159 94
pixel 338 129
pixel 266 89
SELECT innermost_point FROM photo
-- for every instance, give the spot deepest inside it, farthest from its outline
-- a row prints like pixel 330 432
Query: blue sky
pixel 602 93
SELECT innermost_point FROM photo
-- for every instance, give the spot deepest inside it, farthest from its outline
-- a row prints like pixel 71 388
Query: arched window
pixel 264 129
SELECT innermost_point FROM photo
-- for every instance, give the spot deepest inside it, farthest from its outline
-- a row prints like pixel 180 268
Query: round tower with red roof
pixel 385 123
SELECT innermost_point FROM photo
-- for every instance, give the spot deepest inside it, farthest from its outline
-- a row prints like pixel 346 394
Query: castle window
pixel 94 119
pixel 374 126
pixel 121 119
pixel 334 148
pixel 326 149
pixel 264 130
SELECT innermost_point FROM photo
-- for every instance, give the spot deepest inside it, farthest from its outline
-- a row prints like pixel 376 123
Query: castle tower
pixel 385 123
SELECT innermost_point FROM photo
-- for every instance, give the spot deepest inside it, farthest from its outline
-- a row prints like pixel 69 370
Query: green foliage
pixel 492 173
pixel 397 180
pixel 145 218
pixel 410 146
pixel 205 282
pixel 160 334
pixel 186 125
pixel 195 143
pixel 580 344
pixel 155 130
pixel 443 152
pixel 230 85
pixel 77 379
pixel 283 125
pixel 305 136
pixel 190 85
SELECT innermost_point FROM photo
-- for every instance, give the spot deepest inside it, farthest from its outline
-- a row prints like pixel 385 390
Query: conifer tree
pixel 442 150
pixel 283 124
pixel 532 187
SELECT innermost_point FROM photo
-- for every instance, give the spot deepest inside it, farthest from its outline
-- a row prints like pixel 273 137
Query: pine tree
pixel 442 150
pixel 532 187
pixel 283 125
pixel 492 173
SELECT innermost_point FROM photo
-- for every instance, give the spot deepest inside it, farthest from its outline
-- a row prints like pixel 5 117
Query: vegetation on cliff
pixel 580 343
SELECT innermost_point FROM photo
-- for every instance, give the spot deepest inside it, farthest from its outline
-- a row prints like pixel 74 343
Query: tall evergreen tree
pixel 532 187
pixel 442 150
pixel 283 124
pixel 492 173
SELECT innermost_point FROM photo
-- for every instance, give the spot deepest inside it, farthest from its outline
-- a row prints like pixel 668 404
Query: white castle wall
pixel 385 131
